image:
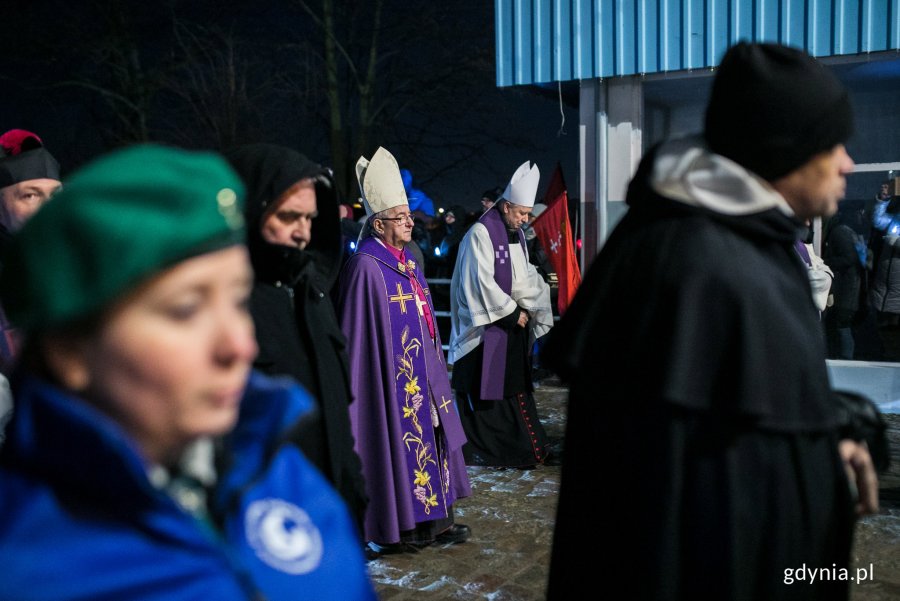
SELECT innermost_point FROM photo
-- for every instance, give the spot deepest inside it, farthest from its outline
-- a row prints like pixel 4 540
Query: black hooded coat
pixel 701 440
pixel 296 326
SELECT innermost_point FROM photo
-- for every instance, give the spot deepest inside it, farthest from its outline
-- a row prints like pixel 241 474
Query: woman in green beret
pixel 144 459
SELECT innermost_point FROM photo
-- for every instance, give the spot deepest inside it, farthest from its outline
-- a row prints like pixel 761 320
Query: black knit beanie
pixel 23 157
pixel 772 108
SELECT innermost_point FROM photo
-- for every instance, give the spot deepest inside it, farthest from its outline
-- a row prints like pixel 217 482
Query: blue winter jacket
pixel 79 518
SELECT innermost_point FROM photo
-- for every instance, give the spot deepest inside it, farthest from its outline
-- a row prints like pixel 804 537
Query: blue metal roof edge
pixel 544 41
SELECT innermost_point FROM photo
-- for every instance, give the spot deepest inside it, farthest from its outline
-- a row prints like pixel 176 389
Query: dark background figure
pixel 884 294
pixel 537 256
pixel 447 234
pixel 845 252
pixel 421 241
pixel 350 230
pixel 296 326
pixel 489 197
pixel 536 253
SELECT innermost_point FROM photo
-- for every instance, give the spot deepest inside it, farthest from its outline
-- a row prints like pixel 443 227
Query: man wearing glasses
pixel 408 434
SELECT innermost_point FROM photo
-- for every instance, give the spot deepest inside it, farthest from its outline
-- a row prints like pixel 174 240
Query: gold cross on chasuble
pixel 445 403
pixel 401 298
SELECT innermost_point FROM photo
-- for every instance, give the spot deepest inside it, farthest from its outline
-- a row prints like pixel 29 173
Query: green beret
pixel 116 222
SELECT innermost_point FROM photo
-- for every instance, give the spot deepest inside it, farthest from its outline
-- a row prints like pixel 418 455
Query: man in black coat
pixel 845 253
pixel 704 445
pixel 294 238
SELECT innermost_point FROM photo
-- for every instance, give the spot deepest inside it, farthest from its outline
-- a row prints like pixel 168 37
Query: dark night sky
pixel 445 118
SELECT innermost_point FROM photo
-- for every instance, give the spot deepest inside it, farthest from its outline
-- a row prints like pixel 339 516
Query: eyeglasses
pixel 405 217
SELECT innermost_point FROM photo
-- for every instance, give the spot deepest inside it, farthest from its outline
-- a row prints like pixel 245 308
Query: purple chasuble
pixel 402 396
pixel 493 365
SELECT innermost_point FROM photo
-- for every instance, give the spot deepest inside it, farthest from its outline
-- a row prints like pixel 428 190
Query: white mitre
pixel 380 183
pixel 523 186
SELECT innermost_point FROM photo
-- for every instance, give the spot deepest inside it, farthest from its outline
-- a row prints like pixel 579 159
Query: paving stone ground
pixel 511 513
pixel 877 541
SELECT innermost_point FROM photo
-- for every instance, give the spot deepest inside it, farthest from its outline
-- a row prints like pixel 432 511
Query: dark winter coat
pixel 885 293
pixel 698 383
pixel 841 256
pixel 296 326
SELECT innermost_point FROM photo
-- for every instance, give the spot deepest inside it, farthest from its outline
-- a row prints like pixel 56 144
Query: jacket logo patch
pixel 283 536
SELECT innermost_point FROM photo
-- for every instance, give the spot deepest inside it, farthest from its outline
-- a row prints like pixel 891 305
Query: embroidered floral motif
pixel 410 265
pixel 446 476
pixel 401 267
pixel 422 478
pixel 422 495
pixel 412 402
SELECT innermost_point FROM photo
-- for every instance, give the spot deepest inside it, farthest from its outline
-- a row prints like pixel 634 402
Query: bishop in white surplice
pixel 499 305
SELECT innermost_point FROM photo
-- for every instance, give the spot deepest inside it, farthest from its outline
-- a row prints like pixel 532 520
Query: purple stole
pixel 419 376
pixel 493 365
pixel 800 247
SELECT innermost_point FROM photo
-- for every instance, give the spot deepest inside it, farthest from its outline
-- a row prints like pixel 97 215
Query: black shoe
pixel 457 533
pixel 539 374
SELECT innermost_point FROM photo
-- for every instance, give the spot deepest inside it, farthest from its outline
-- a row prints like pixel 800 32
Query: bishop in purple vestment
pixel 403 418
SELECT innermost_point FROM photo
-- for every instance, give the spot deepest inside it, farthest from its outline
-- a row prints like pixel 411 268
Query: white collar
pixel 686 171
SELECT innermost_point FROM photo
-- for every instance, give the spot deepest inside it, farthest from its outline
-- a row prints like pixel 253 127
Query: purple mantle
pixel 401 391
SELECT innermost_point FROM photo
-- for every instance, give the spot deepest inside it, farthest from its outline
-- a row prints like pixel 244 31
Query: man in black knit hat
pixel 696 360
pixel 28 176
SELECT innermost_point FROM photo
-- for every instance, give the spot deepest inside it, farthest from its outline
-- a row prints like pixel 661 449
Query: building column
pixel 611 145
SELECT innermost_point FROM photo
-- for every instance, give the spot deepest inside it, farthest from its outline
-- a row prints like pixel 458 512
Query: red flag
pixel 555 233
pixel 556 187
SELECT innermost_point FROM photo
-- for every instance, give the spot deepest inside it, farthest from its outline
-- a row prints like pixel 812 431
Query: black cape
pixel 296 326
pixel 700 448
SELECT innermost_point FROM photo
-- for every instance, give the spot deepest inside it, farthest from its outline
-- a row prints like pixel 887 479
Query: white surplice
pixel 477 301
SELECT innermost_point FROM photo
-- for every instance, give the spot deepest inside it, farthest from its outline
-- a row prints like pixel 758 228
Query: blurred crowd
pixel 860 247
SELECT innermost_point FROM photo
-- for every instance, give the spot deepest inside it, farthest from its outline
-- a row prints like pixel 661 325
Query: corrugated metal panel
pixel 557 40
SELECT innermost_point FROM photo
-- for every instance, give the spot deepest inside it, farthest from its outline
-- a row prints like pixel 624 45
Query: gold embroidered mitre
pixel 380 183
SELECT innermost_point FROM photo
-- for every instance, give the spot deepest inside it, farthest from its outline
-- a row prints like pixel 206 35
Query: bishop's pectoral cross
pixel 420 302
